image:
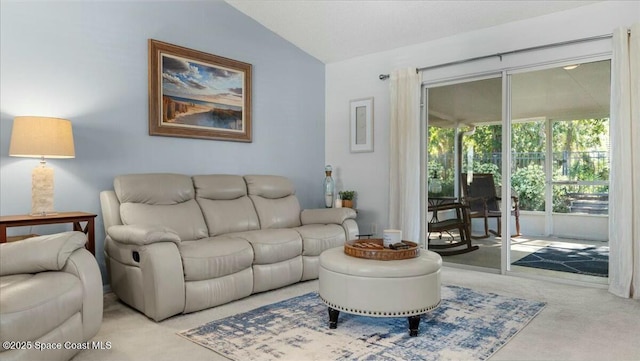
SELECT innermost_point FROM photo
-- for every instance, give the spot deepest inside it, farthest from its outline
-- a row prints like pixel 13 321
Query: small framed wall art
pixel 193 94
pixel 361 134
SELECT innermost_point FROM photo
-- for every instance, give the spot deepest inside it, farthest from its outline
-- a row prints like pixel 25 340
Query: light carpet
pixel 468 325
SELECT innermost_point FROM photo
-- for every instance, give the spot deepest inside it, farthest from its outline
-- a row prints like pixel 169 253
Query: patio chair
pixel 480 195
pixel 459 221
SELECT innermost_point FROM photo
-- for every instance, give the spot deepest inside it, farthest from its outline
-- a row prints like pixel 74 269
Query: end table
pixel 62 217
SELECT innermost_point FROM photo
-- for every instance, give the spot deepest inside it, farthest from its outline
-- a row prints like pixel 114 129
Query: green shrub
pixel 489 168
pixel 528 184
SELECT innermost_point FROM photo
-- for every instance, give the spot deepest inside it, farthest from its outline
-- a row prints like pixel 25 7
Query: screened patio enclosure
pixel 557 130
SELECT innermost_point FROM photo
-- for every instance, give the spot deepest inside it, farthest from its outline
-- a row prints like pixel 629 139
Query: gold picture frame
pixel 193 94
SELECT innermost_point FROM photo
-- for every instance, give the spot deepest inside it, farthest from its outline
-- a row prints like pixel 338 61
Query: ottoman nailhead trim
pixel 380 313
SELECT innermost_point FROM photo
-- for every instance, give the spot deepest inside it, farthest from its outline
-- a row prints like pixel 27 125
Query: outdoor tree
pixel 579 147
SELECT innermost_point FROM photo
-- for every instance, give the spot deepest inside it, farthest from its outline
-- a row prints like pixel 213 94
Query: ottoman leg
pixel 333 318
pixel 414 324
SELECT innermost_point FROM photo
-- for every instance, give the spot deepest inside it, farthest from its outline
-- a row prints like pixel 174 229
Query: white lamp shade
pixel 41 137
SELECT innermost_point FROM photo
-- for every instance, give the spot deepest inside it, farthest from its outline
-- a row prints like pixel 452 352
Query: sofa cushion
pixel 34 304
pixel 219 186
pixel 274 200
pixel 269 186
pixel 153 188
pixel 215 257
pixel 185 219
pixel 317 238
pixel 216 291
pixel 272 245
pixel 225 204
pixel 161 199
pixel 275 275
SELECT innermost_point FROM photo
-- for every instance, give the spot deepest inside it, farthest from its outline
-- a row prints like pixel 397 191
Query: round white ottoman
pixel 403 288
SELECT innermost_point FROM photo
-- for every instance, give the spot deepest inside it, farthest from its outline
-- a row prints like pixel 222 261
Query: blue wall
pixel 87 62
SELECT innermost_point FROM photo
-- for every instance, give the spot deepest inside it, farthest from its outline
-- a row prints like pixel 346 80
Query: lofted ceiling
pixel 335 30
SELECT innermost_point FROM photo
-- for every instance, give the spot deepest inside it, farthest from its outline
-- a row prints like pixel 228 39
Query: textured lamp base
pixel 42 190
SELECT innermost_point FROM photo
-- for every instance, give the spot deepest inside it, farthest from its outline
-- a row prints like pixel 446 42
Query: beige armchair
pixel 50 294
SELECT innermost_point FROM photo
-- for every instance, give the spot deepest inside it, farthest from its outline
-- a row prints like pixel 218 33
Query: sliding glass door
pixel 464 138
pixel 555 128
pixel 560 170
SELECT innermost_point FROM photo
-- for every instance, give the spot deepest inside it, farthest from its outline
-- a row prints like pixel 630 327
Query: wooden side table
pixel 63 217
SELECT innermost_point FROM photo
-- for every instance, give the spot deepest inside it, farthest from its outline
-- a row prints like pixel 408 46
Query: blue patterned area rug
pixel 468 325
pixel 592 261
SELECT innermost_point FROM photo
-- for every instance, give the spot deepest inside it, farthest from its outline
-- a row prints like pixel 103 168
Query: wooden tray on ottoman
pixel 373 249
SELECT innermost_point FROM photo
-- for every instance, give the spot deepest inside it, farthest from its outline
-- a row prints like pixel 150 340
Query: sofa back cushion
pixel 275 201
pixel 161 199
pixel 225 204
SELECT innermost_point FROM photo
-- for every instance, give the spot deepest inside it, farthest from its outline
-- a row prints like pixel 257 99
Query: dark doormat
pixel 593 261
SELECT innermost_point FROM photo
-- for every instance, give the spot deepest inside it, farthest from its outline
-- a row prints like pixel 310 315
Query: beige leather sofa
pixel 50 296
pixel 178 244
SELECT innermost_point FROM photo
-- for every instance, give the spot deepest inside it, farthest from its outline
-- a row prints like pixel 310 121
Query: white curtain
pixel 624 191
pixel 404 154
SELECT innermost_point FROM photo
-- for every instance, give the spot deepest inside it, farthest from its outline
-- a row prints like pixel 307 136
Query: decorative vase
pixel 329 187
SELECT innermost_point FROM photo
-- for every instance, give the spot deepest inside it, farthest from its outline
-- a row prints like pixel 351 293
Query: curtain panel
pixel 404 153
pixel 624 190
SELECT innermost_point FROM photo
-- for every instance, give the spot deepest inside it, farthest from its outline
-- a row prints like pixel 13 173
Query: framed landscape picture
pixel 198 95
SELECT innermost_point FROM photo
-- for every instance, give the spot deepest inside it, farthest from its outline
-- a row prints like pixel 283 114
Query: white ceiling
pixel 335 30
pixel 554 93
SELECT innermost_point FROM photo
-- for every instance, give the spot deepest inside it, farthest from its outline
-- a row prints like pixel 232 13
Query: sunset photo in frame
pixel 193 94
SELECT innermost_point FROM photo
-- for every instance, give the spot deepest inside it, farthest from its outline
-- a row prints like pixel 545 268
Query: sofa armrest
pixel 83 265
pixel 110 206
pixel 141 235
pixel 39 254
pixel 326 215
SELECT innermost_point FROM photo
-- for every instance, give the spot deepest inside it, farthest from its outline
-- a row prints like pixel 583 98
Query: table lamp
pixel 41 137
